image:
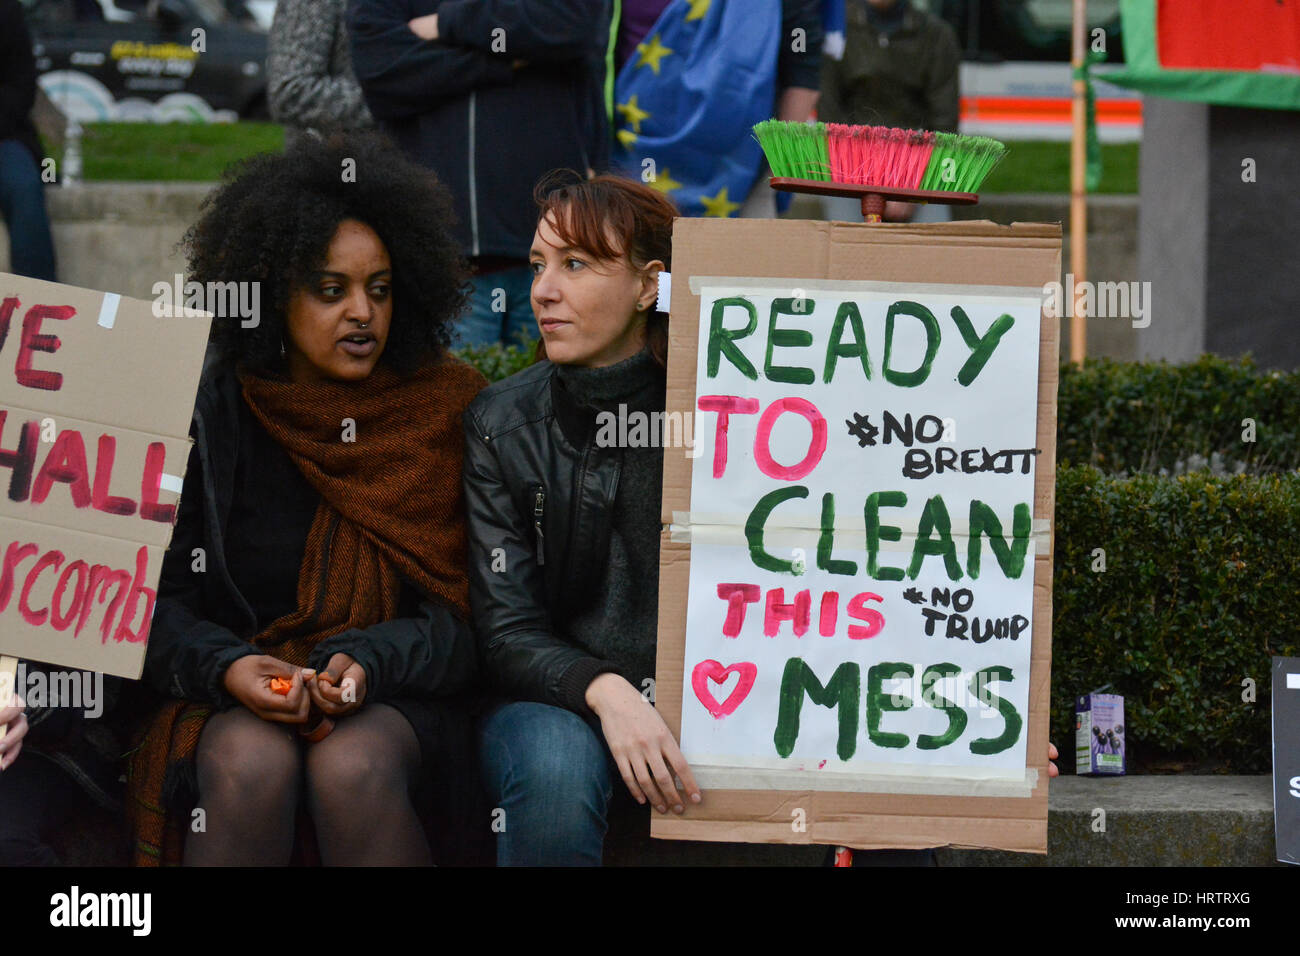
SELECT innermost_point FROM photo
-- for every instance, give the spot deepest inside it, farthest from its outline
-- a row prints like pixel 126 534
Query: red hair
pixel 612 218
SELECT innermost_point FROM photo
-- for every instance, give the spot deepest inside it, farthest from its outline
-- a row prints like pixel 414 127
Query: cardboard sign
pixel 854 634
pixel 96 394
pixel 1286 758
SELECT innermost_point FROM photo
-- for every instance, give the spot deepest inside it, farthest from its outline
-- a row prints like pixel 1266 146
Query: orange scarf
pixel 385 455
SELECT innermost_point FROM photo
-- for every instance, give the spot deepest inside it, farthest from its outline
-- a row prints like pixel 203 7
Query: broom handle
pixel 8 671
pixel 873 207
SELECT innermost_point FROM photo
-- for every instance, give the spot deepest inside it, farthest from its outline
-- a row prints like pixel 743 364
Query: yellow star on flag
pixel 698 9
pixel 626 137
pixel 633 113
pixel 652 53
pixel 719 205
pixel 664 182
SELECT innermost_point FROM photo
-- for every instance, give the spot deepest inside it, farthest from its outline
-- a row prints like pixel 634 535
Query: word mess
pixel 843 693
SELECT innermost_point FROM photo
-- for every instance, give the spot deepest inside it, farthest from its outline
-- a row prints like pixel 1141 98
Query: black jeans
pixel 36 798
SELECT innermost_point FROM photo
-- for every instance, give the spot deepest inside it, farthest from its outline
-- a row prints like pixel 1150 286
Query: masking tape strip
pixel 722 529
pixel 171 483
pixel 938 781
pixel 665 291
pixel 108 309
pixel 700 283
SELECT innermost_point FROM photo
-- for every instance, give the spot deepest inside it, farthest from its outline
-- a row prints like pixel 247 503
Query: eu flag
pixel 687 99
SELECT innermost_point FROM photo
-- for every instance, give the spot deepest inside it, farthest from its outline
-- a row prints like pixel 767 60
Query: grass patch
pixel 200 151
pixel 1043 167
pixel 172 151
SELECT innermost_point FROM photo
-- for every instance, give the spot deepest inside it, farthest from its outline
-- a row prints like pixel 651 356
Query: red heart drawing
pixel 706 671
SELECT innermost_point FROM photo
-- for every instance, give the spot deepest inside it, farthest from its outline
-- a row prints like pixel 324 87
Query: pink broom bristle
pixel 840 149
pixel 878 155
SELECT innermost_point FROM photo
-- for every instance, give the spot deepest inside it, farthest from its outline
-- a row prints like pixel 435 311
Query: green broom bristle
pixel 795 150
pixel 961 163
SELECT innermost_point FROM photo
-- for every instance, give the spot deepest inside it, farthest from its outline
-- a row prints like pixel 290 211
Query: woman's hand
pixel 249 681
pixel 1052 755
pixel 425 27
pixel 641 743
pixel 12 741
pixel 340 688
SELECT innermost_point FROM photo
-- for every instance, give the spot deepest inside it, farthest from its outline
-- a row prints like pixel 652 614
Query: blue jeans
pixel 553 777
pixel 22 204
pixel 500 308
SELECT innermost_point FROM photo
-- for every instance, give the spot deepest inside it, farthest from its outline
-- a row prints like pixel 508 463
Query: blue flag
pixel 687 99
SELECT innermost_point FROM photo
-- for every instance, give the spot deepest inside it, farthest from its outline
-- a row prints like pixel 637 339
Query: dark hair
pixel 585 211
pixel 272 220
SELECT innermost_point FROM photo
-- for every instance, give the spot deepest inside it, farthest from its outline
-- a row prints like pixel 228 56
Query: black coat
pixel 540 488
pixel 202 623
pixel 425 665
pixel 488 129
pixel 17 79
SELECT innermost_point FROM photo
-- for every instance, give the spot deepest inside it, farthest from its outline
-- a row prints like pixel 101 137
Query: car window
pixel 40 12
pixel 213 11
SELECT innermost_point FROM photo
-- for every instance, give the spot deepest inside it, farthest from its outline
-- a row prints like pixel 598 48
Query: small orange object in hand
pixel 281 685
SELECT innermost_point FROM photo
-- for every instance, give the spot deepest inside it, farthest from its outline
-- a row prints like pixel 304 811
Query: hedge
pixel 1198 593
pixel 1147 416
pixel 496 361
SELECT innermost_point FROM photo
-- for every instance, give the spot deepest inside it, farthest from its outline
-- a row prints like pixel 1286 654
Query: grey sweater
pixel 620 624
pixel 310 84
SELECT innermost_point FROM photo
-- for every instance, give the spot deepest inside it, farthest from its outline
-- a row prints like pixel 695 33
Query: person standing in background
pixel 693 77
pixel 22 193
pixel 900 68
pixel 310 84
pixel 491 95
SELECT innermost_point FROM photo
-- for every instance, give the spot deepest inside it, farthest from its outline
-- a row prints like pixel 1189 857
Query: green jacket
pixel 908 80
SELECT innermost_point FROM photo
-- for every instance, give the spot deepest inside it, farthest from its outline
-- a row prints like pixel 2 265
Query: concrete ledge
pixel 119 237
pixel 1149 821
pixel 144 202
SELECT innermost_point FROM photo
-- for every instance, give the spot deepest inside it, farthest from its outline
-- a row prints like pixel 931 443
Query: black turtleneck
pixel 620 624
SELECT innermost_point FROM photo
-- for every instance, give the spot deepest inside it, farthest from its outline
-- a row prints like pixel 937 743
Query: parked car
pixel 150 60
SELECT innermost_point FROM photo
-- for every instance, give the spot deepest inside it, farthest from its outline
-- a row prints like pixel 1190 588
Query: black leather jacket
pixel 539 493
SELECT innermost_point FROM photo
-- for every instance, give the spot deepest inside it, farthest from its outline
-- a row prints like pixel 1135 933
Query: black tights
pixel 252 773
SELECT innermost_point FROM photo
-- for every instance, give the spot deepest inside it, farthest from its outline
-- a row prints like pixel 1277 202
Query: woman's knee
pixel 531 748
pixel 362 757
pixel 246 760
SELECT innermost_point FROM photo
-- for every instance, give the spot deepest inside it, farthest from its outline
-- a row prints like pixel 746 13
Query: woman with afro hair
pixel 311 630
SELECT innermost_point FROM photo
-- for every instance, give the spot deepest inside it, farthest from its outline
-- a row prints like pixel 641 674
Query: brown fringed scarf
pixel 386 457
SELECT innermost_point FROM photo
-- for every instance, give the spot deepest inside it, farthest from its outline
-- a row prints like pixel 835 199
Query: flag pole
pixel 1078 187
